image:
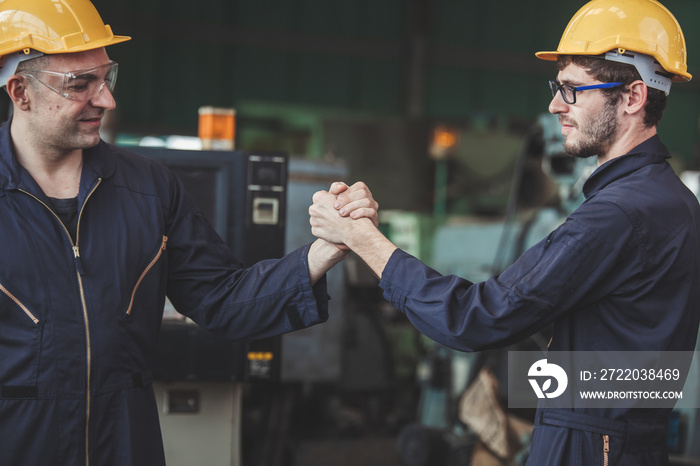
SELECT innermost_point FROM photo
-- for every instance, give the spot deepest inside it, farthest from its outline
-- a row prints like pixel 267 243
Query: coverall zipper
pixel 19 303
pixel 606 449
pixel 145 272
pixel 79 272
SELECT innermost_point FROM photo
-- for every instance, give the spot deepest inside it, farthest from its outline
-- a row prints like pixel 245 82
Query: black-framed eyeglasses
pixel 80 85
pixel 568 93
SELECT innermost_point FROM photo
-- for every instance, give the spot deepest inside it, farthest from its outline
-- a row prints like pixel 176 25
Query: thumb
pixel 337 188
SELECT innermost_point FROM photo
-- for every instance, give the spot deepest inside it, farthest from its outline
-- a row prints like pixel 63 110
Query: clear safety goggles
pixel 568 93
pixel 80 85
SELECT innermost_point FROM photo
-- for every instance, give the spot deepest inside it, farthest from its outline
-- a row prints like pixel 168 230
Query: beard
pixel 597 133
pixel 64 133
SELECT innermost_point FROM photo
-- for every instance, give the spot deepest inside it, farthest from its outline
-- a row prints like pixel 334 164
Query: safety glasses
pixel 80 85
pixel 568 93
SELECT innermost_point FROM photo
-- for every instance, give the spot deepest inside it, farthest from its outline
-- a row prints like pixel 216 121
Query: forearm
pixel 370 245
pixel 322 257
pixel 218 293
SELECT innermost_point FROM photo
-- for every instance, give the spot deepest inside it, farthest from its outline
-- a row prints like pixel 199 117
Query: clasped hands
pixel 337 215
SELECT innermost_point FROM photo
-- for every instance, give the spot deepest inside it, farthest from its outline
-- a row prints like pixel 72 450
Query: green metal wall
pixel 357 57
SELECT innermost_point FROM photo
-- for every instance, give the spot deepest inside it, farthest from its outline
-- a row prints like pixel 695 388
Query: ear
pixel 17 90
pixel 636 97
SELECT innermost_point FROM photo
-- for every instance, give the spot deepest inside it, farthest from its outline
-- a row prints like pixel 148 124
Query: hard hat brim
pixel 549 56
pixel 29 42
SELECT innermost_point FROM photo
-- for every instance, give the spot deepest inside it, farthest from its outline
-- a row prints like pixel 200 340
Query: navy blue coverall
pixel 79 318
pixel 622 273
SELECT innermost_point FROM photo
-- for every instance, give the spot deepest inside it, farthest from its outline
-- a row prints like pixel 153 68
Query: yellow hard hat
pixel 52 26
pixel 641 26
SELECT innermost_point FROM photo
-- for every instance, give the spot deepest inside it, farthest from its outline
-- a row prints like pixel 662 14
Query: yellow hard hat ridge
pixel 631 28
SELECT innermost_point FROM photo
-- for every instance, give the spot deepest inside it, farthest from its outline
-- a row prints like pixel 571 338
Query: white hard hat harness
pixel 9 63
pixel 652 73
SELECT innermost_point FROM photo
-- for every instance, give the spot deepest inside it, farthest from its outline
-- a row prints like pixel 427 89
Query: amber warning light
pixel 217 128
pixel 444 143
pixel 260 356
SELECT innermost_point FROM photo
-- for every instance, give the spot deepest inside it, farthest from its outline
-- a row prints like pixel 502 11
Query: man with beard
pixel 621 274
pixel 93 239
